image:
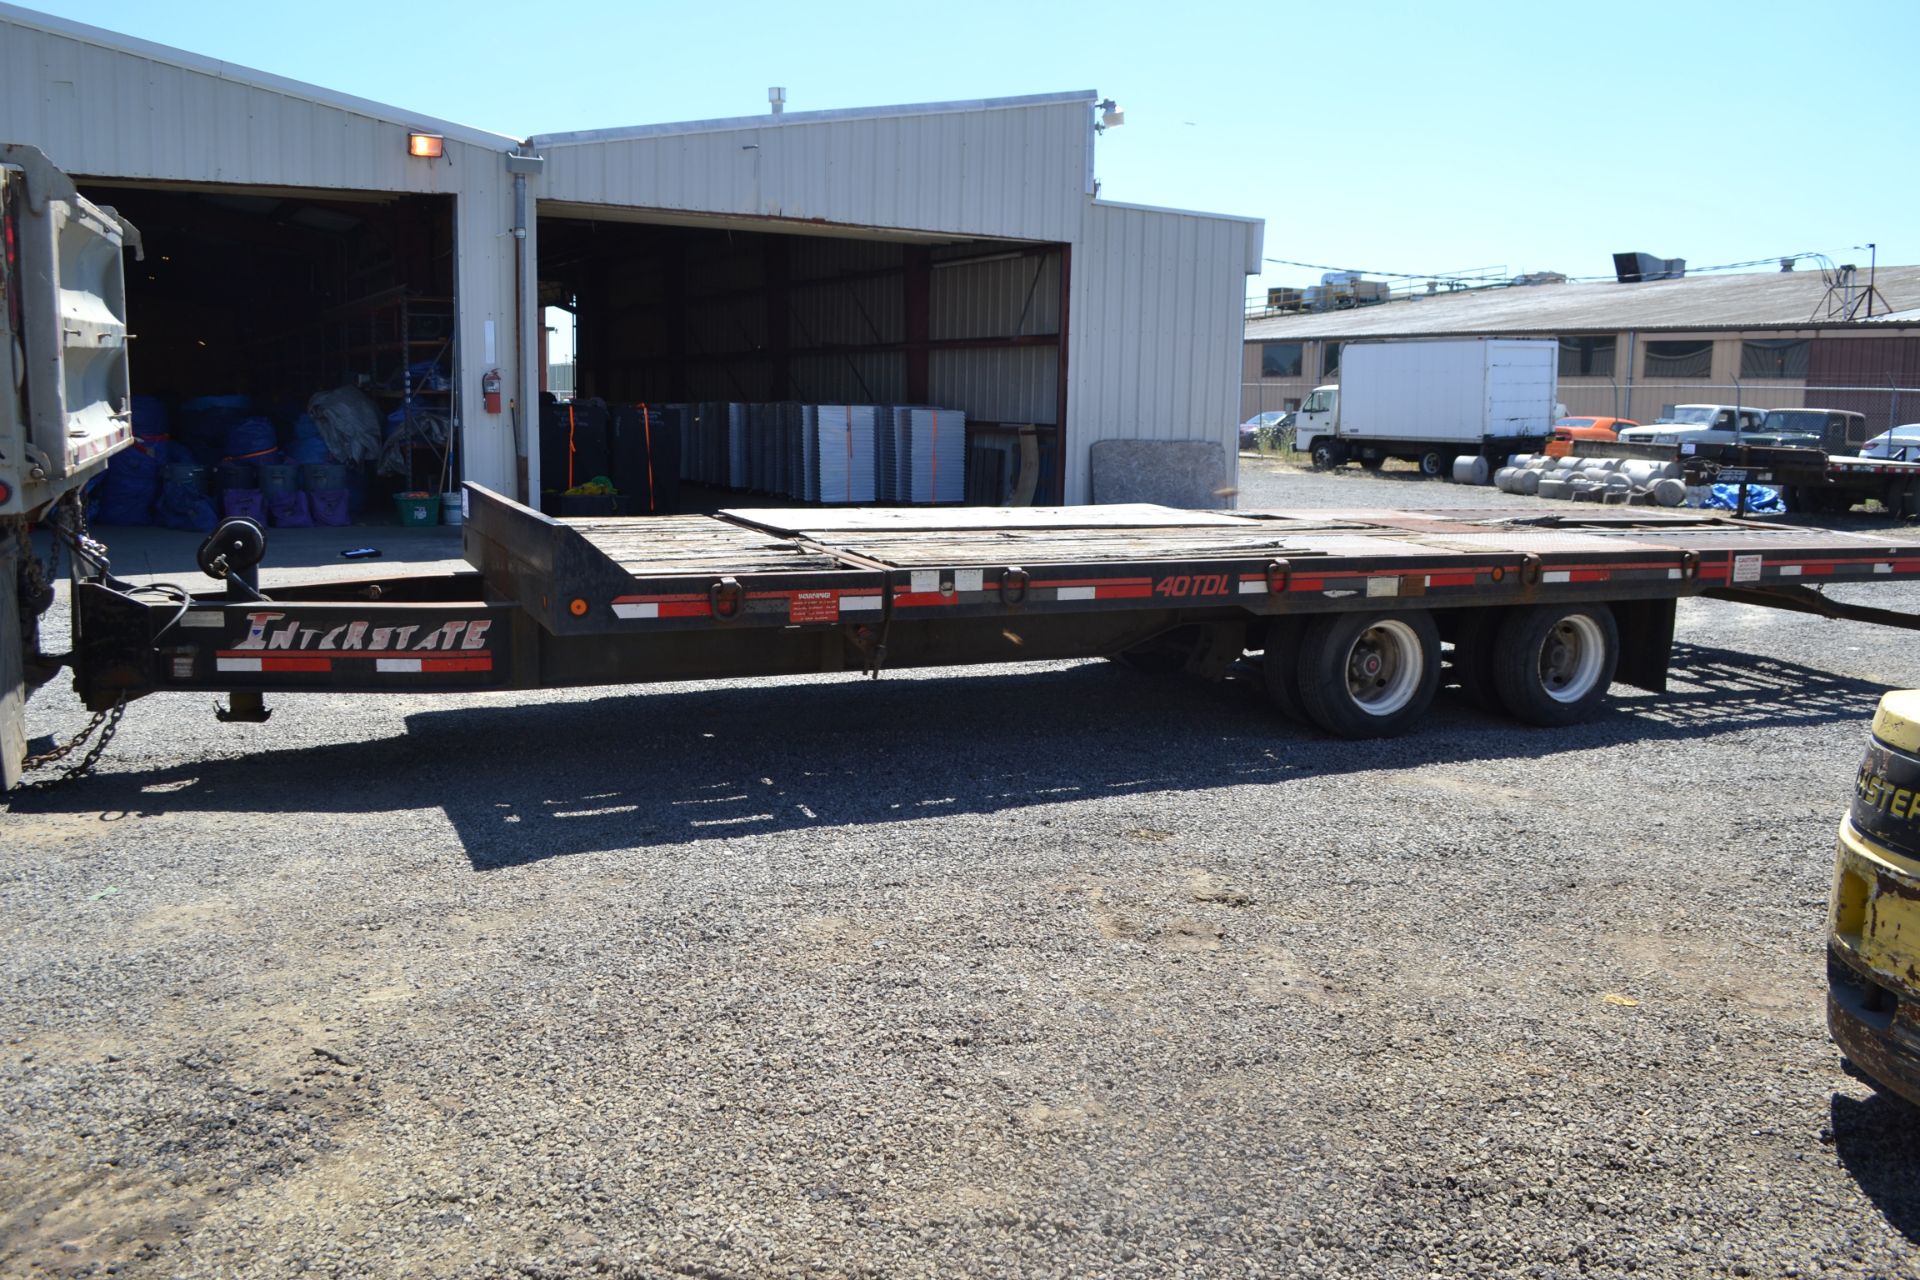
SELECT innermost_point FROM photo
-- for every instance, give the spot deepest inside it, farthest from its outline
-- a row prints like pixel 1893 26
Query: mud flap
pixel 13 674
pixel 1646 642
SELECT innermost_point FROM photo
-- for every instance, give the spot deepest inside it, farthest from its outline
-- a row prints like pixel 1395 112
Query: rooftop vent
pixel 1632 268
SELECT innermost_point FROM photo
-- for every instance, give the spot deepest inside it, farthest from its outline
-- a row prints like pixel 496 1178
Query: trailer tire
pixel 1373 464
pixel 1553 664
pixel 1435 463
pixel 1280 666
pixel 1328 454
pixel 1369 675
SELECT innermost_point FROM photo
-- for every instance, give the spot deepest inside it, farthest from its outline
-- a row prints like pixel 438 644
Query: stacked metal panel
pixel 739 446
pixel 826 453
pixel 930 448
pixel 761 425
pixel 885 473
pixel 840 441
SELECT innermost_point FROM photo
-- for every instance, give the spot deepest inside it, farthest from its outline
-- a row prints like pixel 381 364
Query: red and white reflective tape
pixel 424 664
pixel 644 607
pixel 1098 588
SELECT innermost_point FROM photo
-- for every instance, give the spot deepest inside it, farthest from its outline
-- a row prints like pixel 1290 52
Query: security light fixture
pixel 426 146
pixel 1111 116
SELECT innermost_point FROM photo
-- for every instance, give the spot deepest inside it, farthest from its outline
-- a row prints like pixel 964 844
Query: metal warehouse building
pixel 950 254
pixel 1771 340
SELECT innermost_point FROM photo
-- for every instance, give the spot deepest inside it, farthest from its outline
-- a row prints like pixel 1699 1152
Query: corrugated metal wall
pixel 1155 331
pixel 999 296
pixel 101 111
pixel 1889 366
pixel 1007 170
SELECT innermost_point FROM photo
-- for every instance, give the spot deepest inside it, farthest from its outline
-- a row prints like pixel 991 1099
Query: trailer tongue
pixel 1349 608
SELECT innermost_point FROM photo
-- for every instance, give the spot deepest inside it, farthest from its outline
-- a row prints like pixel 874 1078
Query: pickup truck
pixel 1697 424
pixel 1829 430
pixel 63 353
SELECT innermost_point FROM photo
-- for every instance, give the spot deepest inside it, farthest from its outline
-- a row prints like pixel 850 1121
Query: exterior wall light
pixel 426 146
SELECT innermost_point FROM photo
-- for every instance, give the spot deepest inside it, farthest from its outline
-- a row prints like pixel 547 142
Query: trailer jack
pixel 232 553
pixel 244 706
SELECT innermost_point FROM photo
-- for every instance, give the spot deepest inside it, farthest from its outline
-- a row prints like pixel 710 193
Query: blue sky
pixel 1406 137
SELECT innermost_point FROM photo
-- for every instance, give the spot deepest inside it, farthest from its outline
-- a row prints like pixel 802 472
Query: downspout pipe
pixel 522 163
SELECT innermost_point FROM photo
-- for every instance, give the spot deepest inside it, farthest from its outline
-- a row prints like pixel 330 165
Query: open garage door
pixel 250 303
pixel 748 319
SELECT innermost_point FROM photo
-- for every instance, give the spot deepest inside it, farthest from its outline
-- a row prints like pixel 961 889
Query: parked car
pixel 1567 430
pixel 1698 423
pixel 1832 430
pixel 1591 428
pixel 1902 444
pixel 1250 429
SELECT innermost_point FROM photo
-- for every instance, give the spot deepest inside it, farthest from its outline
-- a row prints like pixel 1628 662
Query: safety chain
pixel 107 722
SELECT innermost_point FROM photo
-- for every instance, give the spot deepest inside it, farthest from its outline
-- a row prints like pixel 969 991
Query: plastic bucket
pixel 450 513
pixel 417 509
pixel 235 475
pixel 190 475
pixel 318 476
pixel 279 477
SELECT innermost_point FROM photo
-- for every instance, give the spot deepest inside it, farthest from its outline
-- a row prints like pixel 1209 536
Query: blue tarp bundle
pixel 308 449
pixel 150 417
pixel 179 507
pixel 203 422
pixel 1762 500
pixel 128 489
pixel 251 437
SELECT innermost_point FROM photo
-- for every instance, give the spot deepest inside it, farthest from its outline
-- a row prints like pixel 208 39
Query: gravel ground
pixel 1045 971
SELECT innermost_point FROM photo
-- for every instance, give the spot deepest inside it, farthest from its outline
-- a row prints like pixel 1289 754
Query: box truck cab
pixel 1431 402
pixel 1316 421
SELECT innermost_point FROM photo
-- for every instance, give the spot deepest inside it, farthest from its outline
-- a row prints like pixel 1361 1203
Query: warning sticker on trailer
pixel 814 606
pixel 1746 568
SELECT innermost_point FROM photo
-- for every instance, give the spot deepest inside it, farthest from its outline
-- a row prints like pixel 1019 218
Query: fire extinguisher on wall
pixel 490 390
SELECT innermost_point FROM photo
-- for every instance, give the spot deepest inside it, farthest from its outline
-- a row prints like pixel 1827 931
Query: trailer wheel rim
pixel 1385 667
pixel 1571 658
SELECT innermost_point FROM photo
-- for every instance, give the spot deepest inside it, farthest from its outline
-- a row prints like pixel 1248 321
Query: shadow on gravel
pixel 1878 1141
pixel 638 770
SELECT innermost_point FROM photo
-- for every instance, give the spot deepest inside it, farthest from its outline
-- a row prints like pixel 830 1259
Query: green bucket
pixel 417 509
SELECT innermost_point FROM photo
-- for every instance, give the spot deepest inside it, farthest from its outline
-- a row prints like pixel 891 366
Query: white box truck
pixel 1433 401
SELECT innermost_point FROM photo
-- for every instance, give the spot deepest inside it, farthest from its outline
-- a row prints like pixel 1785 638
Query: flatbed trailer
pixel 1811 479
pixel 1348 613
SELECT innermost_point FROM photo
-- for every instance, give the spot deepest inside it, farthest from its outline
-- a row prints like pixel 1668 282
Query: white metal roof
pixel 769 120
pixel 237 74
pixel 1749 300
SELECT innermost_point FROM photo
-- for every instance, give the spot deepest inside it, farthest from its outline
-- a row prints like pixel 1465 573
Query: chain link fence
pixel 1884 407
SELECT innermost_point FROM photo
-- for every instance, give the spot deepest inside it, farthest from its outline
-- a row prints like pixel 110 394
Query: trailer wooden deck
pixel 818 566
